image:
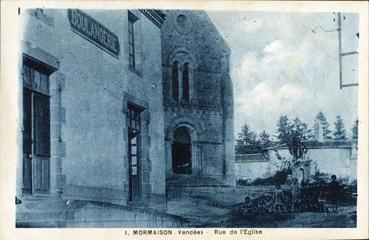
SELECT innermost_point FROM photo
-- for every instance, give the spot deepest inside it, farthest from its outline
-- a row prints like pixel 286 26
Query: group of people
pixel 277 202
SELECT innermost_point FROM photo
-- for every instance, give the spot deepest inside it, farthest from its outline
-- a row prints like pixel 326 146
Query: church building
pixel 198 100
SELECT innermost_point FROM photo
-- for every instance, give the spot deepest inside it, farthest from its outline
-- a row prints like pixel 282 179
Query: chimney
pixel 318 132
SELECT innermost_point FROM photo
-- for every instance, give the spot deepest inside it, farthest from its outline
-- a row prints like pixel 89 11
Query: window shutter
pixel 41 125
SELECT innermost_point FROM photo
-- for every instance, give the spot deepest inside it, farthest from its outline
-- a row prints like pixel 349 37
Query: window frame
pixel 131 40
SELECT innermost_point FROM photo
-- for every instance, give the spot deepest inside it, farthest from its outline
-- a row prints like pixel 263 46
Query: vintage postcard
pixel 184 120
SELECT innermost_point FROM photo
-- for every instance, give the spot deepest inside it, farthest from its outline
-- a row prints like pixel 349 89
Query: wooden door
pixel 41 141
pixel 36 142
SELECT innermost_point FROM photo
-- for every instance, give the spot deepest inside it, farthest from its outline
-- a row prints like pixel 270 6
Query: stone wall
pixel 341 161
pixel 254 169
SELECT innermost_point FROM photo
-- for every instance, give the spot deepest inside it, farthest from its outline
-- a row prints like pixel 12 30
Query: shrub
pixel 279 177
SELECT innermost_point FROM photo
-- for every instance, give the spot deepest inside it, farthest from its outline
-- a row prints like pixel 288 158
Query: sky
pixel 284 63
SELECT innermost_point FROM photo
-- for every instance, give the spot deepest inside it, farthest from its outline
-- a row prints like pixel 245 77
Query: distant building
pixel 318 132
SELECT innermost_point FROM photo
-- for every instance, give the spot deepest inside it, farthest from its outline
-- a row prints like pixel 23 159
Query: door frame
pixel 145 144
pixel 137 134
pixel 33 156
pixel 196 145
pixel 30 66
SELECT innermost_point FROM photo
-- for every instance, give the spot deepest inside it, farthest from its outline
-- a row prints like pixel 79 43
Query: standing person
pixel 334 191
pixel 295 192
pixel 278 198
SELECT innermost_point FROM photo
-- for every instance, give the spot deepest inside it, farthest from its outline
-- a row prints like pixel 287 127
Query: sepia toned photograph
pixel 176 118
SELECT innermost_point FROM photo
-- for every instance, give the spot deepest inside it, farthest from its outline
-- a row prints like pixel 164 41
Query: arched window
pixel 186 83
pixel 175 82
pixel 183 66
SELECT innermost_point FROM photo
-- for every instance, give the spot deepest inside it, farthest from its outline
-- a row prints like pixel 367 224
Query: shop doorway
pixel 36 128
pixel 134 153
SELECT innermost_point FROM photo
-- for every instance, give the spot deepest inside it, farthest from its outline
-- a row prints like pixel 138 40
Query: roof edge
pixel 155 16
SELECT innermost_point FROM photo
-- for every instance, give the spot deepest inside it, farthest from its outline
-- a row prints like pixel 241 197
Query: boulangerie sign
pixel 93 31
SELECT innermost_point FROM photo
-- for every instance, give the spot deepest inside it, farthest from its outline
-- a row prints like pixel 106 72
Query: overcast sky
pixel 283 63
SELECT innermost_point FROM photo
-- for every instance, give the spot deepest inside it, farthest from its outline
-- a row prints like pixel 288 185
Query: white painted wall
pixel 339 161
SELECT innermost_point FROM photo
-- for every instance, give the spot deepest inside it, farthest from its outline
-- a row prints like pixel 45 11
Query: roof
pixel 155 16
pixel 313 144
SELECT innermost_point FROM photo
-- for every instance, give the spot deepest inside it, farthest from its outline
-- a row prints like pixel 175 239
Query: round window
pixel 183 24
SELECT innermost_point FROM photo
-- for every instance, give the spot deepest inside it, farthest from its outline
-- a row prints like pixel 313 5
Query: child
pixel 334 191
pixel 278 198
pixel 247 206
pixel 269 204
pixel 295 192
pixel 322 201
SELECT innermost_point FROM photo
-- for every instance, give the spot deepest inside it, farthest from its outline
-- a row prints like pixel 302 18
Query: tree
pixel 340 132
pixel 265 141
pixel 309 133
pixel 355 130
pixel 247 142
pixel 320 117
pixel 295 140
pixel 282 128
pixel 292 134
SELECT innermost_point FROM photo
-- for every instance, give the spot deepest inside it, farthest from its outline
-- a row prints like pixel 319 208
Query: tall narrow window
pixel 175 82
pixel 131 39
pixel 186 83
pixel 36 127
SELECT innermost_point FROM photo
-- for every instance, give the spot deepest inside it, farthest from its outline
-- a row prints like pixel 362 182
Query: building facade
pixel 92 105
pixel 114 103
pixel 198 100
